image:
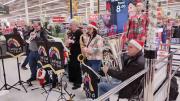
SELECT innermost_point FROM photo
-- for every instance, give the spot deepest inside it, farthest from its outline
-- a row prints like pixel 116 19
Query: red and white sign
pixel 93 17
pixel 58 19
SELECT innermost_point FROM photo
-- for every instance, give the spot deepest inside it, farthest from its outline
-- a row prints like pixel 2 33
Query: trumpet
pixel 32 36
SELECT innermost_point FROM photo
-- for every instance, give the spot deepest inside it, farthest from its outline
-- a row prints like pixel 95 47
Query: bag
pixel 173 89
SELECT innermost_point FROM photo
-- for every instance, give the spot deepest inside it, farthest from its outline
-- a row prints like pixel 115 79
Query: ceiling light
pixel 9 2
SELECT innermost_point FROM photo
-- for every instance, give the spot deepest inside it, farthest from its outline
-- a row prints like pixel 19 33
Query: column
pixel 26 12
pixel 150 50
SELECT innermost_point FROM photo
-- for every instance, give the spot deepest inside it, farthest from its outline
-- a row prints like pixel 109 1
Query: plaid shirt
pixel 136 27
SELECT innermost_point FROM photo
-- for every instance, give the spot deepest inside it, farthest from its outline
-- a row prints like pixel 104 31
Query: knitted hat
pixel 93 25
pixel 137 44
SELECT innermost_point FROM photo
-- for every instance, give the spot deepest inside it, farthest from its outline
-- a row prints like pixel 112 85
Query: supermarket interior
pixel 89 50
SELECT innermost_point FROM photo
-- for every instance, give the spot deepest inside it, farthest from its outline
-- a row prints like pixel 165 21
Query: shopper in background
pixel 39 34
pixel 133 63
pixel 72 41
pixel 93 47
pixel 176 33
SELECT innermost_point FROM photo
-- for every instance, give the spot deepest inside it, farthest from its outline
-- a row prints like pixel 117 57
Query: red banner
pixel 58 19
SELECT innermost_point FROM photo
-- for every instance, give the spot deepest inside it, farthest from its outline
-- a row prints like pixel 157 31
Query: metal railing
pixel 139 74
pixel 121 86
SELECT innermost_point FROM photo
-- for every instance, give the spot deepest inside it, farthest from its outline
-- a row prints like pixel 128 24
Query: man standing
pixel 132 64
pixel 72 42
pixel 39 34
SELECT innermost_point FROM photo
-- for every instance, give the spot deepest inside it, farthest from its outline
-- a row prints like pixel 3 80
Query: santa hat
pixel 138 44
pixel 93 25
pixel 138 1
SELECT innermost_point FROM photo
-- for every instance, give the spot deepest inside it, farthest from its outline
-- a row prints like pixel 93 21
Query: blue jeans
pixel 105 85
pixel 25 61
pixel 94 64
pixel 33 59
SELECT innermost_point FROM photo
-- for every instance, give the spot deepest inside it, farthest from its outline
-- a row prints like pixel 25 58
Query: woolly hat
pixel 93 25
pixel 136 43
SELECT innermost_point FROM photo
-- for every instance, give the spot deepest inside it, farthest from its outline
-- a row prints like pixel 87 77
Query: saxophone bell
pixel 81 58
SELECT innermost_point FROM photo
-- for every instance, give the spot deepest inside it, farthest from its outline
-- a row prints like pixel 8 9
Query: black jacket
pixel 131 66
pixel 75 49
pixel 176 33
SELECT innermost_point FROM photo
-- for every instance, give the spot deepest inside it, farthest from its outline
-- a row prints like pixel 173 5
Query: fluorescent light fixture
pixel 9 2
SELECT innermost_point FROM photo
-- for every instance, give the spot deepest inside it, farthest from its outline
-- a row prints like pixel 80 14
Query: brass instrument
pixel 112 53
pixel 82 57
pixel 32 36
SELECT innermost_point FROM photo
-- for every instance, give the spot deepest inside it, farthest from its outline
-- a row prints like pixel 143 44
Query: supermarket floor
pixel 35 95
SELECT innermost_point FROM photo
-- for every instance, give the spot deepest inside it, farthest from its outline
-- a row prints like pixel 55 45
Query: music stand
pixel 14 44
pixel 56 58
pixel 4 74
pixel 91 80
pixel 43 54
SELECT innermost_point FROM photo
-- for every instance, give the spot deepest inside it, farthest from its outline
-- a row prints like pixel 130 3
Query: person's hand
pixel 70 41
pixel 27 41
pixel 105 69
pixel 33 35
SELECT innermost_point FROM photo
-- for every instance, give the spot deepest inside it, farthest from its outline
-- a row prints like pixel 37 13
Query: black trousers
pixel 74 71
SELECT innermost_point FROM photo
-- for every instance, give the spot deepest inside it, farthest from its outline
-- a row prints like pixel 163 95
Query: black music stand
pixel 56 59
pixel 44 59
pixel 5 86
pixel 14 44
pixel 90 78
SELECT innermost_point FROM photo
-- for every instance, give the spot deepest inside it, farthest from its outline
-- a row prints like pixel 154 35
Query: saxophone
pixel 81 57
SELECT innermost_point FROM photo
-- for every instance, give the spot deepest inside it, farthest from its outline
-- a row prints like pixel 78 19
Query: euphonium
pixel 112 53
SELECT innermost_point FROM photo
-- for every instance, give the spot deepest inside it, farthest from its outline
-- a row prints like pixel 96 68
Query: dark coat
pixel 75 49
pixel 74 70
pixel 176 33
pixel 131 66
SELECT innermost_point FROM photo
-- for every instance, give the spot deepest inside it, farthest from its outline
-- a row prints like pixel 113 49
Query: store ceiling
pixel 17 8
pixel 38 8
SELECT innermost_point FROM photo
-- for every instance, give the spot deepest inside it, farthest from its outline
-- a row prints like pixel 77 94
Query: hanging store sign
pixel 4 9
pixel 118 11
pixel 58 19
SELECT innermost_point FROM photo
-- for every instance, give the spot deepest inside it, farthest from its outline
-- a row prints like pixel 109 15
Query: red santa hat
pixel 138 1
pixel 138 44
pixel 93 25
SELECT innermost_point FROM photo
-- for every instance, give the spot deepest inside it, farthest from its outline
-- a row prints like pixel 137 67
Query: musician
pixel 93 47
pixel 72 41
pixel 133 63
pixel 39 34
